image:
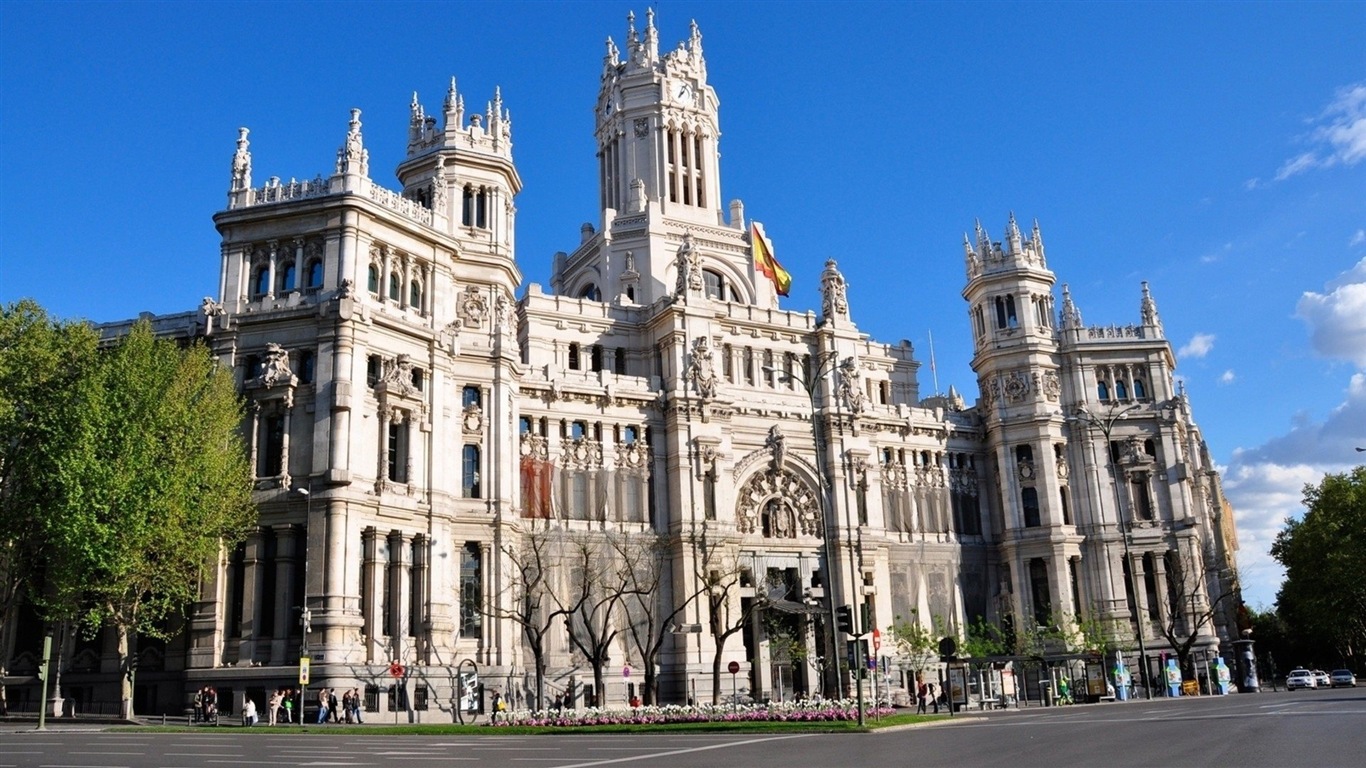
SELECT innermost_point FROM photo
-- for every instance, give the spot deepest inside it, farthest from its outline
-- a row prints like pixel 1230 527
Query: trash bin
pixel 1046 688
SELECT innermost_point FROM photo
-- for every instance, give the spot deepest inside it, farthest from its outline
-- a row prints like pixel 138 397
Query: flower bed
pixel 792 712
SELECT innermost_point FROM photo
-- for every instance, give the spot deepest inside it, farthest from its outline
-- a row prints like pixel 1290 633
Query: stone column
pixel 421 626
pixel 251 599
pixel 271 268
pixel 372 594
pixel 399 586
pixel 286 539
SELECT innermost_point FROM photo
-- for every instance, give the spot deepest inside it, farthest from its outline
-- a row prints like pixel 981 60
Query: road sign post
pixel 734 683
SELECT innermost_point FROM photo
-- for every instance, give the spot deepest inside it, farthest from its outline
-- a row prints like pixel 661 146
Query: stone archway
pixel 778 505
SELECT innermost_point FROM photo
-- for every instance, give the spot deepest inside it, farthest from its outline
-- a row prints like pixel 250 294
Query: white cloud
pixel 1358 238
pixel 1217 254
pixel 1227 377
pixel 1337 317
pixel 1199 346
pixel 1338 135
pixel 1252 183
pixel 1265 484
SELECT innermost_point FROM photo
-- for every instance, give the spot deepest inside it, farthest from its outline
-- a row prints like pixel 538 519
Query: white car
pixel 1321 679
pixel 1300 678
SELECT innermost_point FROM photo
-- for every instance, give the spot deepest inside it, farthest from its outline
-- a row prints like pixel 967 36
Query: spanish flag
pixel 764 261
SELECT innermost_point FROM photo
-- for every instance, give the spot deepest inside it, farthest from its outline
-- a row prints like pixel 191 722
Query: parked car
pixel 1300 678
pixel 1343 678
pixel 1321 679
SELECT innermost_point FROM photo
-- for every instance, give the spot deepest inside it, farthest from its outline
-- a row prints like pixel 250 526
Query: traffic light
pixel 844 619
pixel 865 613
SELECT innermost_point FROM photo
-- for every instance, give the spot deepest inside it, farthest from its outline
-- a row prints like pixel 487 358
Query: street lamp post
pixel 810 381
pixel 306 616
pixel 1106 426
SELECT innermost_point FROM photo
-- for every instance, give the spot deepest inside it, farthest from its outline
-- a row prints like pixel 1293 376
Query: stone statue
pixel 850 387
pixel 702 369
pixel 778 444
pixel 277 367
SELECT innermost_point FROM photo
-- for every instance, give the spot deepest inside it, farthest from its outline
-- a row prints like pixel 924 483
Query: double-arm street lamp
pixel 1106 425
pixel 306 616
pixel 821 367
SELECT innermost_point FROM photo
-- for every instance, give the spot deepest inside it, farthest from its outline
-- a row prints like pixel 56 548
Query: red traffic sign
pixel 877 640
pixel 396 670
pixel 734 667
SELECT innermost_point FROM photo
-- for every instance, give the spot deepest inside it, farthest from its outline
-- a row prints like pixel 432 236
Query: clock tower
pixel 655 121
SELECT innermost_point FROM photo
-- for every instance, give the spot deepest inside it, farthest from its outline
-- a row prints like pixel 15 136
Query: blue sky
pixel 1217 150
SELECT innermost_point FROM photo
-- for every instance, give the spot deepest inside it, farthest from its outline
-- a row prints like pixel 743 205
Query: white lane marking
pixel 654 756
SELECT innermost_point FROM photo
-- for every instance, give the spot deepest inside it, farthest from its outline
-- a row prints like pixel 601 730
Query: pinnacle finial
pixel 450 96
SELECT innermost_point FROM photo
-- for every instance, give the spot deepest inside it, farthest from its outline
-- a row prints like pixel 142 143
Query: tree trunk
pixel 716 673
pixel 127 669
pixel 599 684
pixel 539 658
pixel 650 686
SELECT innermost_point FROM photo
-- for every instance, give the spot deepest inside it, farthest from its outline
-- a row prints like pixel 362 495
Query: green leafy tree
pixel 915 644
pixel 41 359
pixel 1324 554
pixel 147 482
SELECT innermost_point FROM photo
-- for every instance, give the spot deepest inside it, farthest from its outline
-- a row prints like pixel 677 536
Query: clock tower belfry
pixel 659 185
pixel 656 128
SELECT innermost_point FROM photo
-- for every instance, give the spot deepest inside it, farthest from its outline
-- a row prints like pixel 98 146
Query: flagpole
pixel 933 371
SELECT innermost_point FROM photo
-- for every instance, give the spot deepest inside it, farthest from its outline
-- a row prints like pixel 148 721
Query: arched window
pixel 469 465
pixel 261 285
pixel 284 282
pixel 591 293
pixel 1000 312
pixel 395 285
pixel 1102 391
pixel 1121 392
pixel 631 292
pixel 415 294
pixel 1012 320
pixel 713 284
pixel 1140 392
pixel 372 279
pixel 467 206
pixel 315 273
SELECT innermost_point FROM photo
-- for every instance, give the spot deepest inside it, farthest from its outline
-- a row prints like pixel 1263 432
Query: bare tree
pixel 533 604
pixel 599 583
pixel 722 577
pixel 649 618
pixel 1196 596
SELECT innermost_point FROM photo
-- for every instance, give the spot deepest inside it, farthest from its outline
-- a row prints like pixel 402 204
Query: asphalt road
pixel 1305 728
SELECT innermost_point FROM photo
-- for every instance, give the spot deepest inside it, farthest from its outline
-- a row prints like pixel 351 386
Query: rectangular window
pixel 619 362
pixel 1029 500
pixel 1038 583
pixel 273 453
pixel 470 485
pixel 471 589
pixel 372 698
pixel 420 698
pixel 397 464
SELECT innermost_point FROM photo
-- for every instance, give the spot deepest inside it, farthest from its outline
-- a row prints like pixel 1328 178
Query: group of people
pixel 206 705
pixel 280 706
pixel 926 694
pixel 346 710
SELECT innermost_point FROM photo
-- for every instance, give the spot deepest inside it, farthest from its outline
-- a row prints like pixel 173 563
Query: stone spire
pixel 983 240
pixel 1148 309
pixel 651 43
pixel 353 158
pixel 695 40
pixel 1014 241
pixel 1070 316
pixel 834 295
pixel 1037 240
pixel 612 58
pixel 454 108
pixel 241 163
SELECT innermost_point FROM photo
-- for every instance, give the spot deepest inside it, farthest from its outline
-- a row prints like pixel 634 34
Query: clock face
pixel 682 92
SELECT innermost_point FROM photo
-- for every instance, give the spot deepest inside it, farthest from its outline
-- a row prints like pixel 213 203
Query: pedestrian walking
pixel 497 706
pixel 289 706
pixel 322 706
pixel 332 705
pixel 199 705
pixel 355 704
pixel 249 712
pixel 922 696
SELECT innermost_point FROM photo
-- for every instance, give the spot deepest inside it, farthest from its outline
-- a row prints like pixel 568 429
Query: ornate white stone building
pixel 411 420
